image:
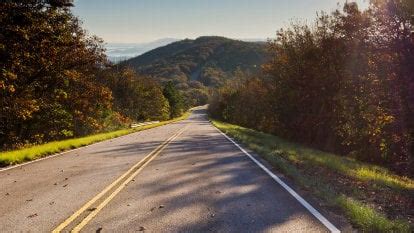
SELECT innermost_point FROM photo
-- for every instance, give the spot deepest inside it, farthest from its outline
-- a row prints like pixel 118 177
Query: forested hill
pixel 206 59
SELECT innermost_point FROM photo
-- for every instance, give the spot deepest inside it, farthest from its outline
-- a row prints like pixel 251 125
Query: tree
pixel 137 97
pixel 48 87
pixel 394 21
pixel 175 100
pixel 345 84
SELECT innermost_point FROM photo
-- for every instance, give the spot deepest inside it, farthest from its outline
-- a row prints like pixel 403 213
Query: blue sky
pixel 136 21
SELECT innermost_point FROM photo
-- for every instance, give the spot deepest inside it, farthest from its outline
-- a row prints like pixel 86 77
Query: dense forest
pixel 198 66
pixel 208 60
pixel 56 81
pixel 344 84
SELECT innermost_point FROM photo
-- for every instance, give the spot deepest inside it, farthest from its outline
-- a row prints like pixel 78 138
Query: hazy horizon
pixel 178 39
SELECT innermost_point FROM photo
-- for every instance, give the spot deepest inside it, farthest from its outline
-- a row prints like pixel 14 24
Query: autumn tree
pixel 344 84
pixel 48 87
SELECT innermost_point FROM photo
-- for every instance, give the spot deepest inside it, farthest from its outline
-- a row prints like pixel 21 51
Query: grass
pixel 39 151
pixel 368 218
pixel 367 195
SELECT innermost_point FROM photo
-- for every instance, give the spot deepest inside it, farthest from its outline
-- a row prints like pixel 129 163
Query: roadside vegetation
pixel 56 82
pixel 373 198
pixel 344 84
pixel 39 151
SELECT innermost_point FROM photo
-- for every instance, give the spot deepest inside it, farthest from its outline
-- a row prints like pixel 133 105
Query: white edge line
pixel 302 201
pixel 61 153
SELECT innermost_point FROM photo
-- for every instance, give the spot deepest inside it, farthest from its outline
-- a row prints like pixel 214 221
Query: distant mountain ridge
pixel 118 52
pixel 209 60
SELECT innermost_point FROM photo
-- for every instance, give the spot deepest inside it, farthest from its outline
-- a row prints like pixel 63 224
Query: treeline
pixel 344 84
pixel 56 82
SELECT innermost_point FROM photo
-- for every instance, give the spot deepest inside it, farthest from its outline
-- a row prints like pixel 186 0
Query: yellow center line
pixel 146 160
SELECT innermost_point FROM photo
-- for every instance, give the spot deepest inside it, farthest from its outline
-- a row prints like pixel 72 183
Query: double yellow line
pixel 86 213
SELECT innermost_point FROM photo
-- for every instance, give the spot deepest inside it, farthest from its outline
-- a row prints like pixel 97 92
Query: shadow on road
pixel 207 182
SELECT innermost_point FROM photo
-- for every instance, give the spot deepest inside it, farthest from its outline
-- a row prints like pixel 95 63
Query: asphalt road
pixel 197 181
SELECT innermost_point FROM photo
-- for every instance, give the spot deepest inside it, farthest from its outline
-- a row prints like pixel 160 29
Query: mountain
pixel 118 52
pixel 209 60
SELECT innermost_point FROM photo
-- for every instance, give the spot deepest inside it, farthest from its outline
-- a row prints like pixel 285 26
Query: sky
pixel 138 21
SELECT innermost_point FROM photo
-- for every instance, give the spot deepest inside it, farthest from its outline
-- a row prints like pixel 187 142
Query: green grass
pixel 295 161
pixel 39 151
pixel 368 218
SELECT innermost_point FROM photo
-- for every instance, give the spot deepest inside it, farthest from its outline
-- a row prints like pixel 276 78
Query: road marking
pixel 128 176
pixel 302 201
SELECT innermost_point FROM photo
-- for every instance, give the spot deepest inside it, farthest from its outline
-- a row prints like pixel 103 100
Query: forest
pixel 343 84
pixel 197 66
pixel 208 60
pixel 57 83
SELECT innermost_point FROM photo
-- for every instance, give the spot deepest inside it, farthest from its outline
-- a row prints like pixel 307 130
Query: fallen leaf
pixel 32 215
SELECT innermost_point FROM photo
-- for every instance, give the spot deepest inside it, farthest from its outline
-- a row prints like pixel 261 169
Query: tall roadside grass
pixel 39 151
pixel 362 192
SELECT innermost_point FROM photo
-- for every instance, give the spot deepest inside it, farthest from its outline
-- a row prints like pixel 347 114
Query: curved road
pixel 196 181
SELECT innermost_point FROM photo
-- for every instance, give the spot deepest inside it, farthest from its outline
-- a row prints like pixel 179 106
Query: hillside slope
pixel 209 60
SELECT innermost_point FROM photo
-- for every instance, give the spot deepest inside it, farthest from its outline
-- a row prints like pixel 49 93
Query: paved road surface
pixel 199 182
